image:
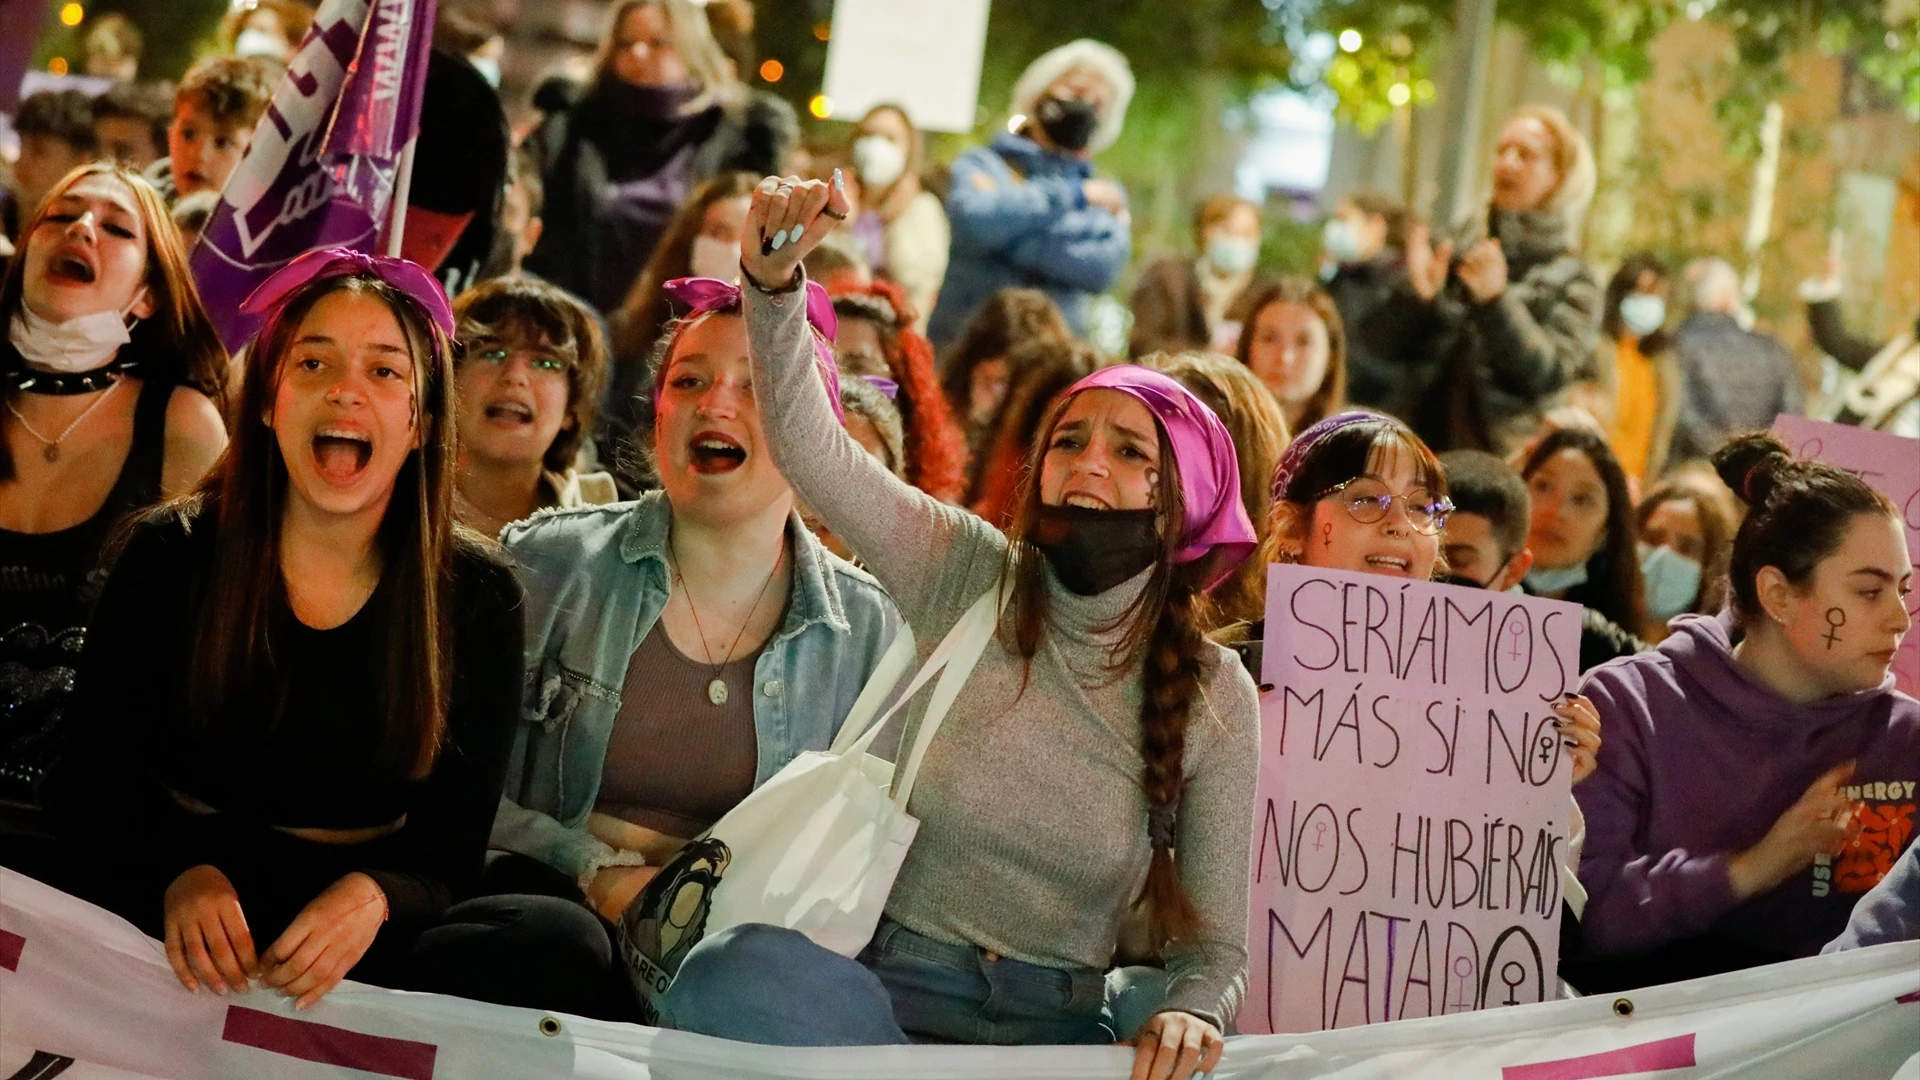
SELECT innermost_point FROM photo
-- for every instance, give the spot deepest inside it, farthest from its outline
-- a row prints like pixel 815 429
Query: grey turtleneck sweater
pixel 1033 819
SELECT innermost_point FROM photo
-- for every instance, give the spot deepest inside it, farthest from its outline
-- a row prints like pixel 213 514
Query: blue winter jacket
pixel 1020 219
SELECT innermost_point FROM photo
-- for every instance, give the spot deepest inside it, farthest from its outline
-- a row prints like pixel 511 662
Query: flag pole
pixel 402 190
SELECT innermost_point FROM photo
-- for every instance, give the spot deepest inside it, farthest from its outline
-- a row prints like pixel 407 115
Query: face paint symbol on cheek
pixel 1836 619
pixel 1326 534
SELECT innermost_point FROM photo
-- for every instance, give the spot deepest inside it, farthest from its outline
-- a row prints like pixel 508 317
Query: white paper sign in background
pixel 922 55
pixel 1413 803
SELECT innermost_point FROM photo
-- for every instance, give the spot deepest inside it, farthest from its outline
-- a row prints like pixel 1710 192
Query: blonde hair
pixel 692 38
pixel 1572 158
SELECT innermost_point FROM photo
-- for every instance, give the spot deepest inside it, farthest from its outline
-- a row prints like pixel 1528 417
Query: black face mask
pixel 1069 122
pixel 1459 579
pixel 1091 551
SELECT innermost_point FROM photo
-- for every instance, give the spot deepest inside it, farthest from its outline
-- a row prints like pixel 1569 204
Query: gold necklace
pixel 717 687
pixel 51 447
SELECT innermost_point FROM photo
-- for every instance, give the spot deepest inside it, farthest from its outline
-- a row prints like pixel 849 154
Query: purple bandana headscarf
pixel 408 277
pixel 701 295
pixel 1217 522
pixel 1304 443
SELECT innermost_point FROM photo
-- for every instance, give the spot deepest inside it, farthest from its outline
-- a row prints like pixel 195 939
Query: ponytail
pixel 1798 512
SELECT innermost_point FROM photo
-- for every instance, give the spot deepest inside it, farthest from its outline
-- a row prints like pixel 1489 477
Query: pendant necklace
pixel 50 448
pixel 717 687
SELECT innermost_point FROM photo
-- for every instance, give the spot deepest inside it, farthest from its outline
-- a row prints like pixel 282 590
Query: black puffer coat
pixel 1479 376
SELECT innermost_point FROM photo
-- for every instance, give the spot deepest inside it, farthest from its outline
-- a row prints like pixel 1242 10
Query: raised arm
pixel 933 558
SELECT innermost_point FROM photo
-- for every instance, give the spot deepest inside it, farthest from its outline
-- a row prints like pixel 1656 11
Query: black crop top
pixel 309 761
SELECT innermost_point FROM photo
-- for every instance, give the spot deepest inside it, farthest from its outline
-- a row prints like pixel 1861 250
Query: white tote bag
pixel 816 848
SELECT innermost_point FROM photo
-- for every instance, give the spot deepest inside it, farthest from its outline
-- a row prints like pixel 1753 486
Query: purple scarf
pixel 1216 520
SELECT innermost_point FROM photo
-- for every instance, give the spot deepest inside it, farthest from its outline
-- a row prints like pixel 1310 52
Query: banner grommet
pixel 1623 1007
pixel 549 1026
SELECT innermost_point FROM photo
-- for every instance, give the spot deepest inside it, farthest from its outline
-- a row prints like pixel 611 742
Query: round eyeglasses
pixel 1369 502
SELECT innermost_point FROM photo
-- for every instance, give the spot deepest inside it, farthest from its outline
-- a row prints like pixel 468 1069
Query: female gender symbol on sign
pixel 1319 831
pixel 1836 618
pixel 1546 749
pixel 1463 970
pixel 1516 632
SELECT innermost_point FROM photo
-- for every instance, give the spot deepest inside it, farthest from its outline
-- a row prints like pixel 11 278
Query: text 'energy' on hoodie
pixel 1699 759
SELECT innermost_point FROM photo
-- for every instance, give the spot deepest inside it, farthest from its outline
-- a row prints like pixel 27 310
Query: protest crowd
pixel 365 635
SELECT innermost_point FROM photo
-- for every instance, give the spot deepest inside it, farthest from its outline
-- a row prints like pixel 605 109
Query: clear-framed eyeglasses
pixel 1369 502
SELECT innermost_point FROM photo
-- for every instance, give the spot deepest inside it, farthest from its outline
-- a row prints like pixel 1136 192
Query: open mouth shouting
pixel 340 454
pixel 70 266
pixel 1085 501
pixel 510 414
pixel 712 452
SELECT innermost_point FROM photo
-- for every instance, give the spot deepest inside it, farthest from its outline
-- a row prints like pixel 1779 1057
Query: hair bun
pixel 1750 464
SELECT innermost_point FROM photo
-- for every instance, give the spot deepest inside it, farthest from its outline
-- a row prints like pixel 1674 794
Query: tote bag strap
pixel 960 650
pixel 969 639
pixel 893 664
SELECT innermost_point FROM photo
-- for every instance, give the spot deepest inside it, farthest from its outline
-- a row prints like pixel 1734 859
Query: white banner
pixel 84 996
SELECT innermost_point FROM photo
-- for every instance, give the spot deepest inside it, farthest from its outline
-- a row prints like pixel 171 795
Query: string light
pixel 1350 40
pixel 822 30
pixel 1399 94
pixel 821 106
pixel 71 14
pixel 772 70
pixel 57 65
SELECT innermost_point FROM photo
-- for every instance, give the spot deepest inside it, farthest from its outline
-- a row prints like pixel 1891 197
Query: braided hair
pixel 1167 636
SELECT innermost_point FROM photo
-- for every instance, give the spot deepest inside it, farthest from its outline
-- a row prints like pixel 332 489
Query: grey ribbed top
pixel 1033 818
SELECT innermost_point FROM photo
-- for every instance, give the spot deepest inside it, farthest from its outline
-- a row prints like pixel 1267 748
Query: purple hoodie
pixel 1697 761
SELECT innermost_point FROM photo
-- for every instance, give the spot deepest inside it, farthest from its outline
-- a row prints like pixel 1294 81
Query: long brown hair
pixel 177 343
pixel 1167 635
pixel 242 500
pixel 1259 430
pixel 1331 397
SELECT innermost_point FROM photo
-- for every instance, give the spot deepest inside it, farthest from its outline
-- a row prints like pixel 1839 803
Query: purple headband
pixel 408 277
pixel 701 295
pixel 1304 443
pixel 1216 519
pixel 884 385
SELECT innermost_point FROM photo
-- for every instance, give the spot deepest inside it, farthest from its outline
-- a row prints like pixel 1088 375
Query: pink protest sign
pixel 1891 465
pixel 1411 818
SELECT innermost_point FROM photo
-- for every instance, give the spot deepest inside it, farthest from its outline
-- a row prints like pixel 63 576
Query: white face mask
pixel 878 159
pixel 257 42
pixel 489 69
pixel 82 343
pixel 1643 313
pixel 714 258
pixel 1340 240
pixel 1232 255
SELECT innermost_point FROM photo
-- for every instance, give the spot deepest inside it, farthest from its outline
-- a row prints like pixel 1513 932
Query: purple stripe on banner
pixel 10 946
pixel 329 1045
pixel 1907 999
pixel 1674 1053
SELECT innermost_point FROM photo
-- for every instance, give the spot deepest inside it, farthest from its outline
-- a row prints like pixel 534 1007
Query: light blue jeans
pixel 770 985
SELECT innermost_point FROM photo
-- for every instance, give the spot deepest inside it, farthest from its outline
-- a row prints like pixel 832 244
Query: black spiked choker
pixel 60 383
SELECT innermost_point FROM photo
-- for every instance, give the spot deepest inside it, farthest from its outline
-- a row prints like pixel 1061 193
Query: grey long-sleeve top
pixel 1033 816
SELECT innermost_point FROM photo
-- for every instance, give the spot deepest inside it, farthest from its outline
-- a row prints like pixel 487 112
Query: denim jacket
pixel 596 581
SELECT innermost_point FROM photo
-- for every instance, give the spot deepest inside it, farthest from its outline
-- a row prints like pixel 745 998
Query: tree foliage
pixel 1614 39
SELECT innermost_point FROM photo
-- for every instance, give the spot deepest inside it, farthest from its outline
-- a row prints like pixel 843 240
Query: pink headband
pixel 407 277
pixel 702 295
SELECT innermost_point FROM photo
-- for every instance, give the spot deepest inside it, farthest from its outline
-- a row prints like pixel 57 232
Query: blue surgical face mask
pixel 1546 582
pixel 1232 255
pixel 1669 580
pixel 1643 313
pixel 1341 241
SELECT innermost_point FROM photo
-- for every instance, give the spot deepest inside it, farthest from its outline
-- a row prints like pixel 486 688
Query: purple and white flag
pixel 324 161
